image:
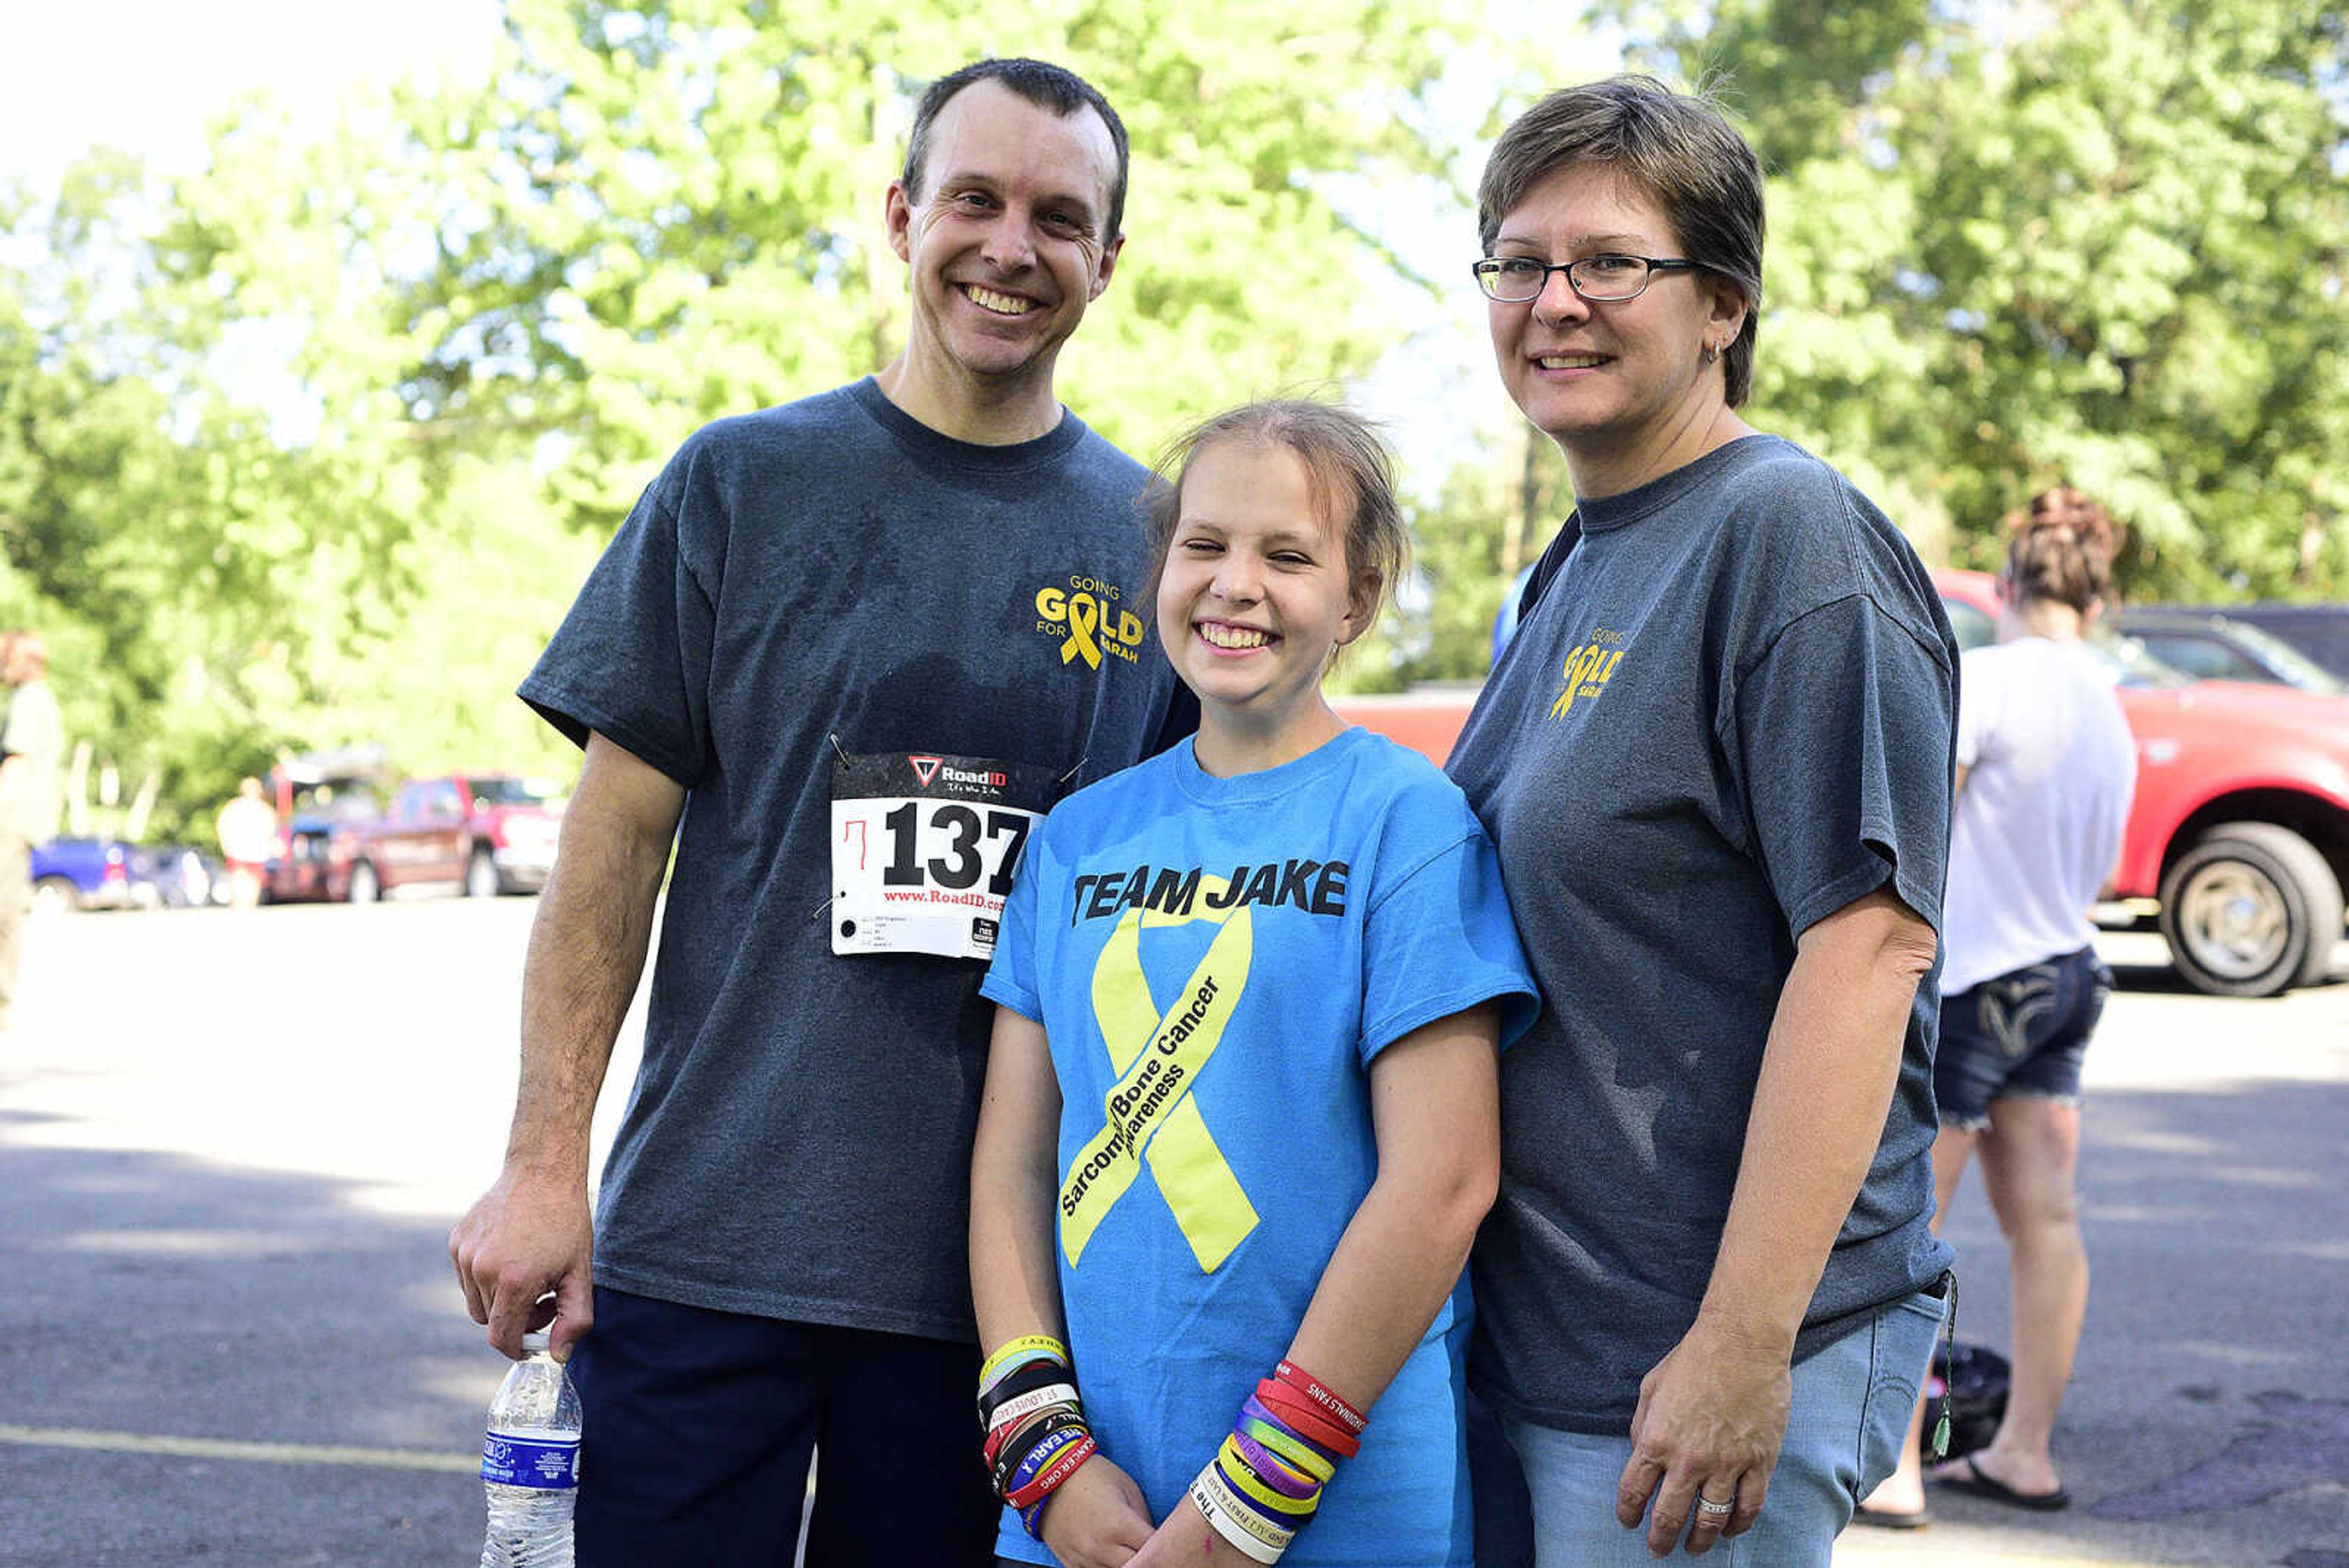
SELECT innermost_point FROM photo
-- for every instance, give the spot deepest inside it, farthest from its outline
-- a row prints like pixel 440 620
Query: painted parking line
pixel 231 1448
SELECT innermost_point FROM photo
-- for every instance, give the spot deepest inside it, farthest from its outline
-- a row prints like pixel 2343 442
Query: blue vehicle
pixel 107 874
pixel 81 874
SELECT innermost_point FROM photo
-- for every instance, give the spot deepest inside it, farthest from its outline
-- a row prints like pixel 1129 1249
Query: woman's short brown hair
pixel 1679 149
pixel 2061 549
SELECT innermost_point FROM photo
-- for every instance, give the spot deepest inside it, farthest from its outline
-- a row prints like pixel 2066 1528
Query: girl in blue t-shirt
pixel 1241 1120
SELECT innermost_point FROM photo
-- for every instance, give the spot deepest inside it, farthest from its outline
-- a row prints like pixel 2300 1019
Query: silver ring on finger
pixel 1712 1513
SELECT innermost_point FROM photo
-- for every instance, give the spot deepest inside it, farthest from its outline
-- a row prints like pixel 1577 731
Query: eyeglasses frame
pixel 1653 263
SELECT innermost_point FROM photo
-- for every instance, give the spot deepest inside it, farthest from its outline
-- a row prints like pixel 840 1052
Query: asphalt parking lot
pixel 232 1144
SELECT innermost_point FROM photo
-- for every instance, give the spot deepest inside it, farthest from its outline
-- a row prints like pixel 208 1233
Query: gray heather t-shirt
pixel 823 579
pixel 1729 714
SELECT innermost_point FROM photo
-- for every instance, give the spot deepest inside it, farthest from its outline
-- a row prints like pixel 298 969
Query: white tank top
pixel 2038 824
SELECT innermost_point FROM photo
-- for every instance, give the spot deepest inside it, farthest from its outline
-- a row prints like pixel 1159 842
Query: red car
pixel 2240 824
pixel 319 798
pixel 487 832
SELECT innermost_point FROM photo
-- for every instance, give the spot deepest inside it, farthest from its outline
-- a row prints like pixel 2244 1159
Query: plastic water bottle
pixel 530 1463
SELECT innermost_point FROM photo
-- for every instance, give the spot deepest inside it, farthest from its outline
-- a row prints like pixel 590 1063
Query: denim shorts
pixel 1845 1430
pixel 2020 1036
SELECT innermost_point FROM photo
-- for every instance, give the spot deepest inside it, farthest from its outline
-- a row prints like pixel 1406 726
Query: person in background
pixel 1715 761
pixel 247 830
pixel 844 654
pixel 2046 768
pixel 32 797
pixel 1239 1124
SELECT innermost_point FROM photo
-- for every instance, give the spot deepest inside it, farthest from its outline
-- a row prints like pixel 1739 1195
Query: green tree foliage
pixel 211 499
pixel 313 446
pixel 1490 519
pixel 672 210
pixel 2104 241
pixel 175 551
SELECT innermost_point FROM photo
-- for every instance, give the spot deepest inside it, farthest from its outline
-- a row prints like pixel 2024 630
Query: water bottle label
pixel 531 1461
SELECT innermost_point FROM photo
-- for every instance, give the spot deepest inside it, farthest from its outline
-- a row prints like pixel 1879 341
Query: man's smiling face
pixel 1006 242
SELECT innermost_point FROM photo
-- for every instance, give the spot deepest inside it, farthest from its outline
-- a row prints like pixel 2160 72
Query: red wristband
pixel 1314 1388
pixel 1306 1418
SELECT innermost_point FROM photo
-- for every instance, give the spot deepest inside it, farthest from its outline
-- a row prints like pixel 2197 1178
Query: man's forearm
pixel 587 948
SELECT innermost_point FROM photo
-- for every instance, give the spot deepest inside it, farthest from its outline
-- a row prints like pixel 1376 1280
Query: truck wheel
pixel 366 885
pixel 57 894
pixel 2251 909
pixel 481 879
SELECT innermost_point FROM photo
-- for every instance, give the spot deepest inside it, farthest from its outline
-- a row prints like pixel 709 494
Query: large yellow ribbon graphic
pixel 1150 1112
pixel 1084 618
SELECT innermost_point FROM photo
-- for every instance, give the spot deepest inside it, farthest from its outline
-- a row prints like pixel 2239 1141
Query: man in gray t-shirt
pixel 856 645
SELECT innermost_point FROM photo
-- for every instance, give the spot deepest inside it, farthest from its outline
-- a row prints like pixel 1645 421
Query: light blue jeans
pixel 1848 1419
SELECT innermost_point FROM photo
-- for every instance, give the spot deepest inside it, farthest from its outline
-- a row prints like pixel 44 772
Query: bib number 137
pixel 923 849
pixel 962 837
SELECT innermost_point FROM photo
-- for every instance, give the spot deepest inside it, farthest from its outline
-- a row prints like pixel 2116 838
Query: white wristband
pixel 1225 1516
pixel 1028 1404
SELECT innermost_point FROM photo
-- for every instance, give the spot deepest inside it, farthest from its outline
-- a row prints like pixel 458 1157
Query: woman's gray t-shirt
pixel 1729 714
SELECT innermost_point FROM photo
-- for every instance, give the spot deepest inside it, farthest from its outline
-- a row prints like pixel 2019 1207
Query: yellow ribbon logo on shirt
pixel 1084 616
pixel 1150 1113
pixel 1587 670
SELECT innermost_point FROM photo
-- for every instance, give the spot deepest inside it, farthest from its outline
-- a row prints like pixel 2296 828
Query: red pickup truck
pixel 487 832
pixel 2241 825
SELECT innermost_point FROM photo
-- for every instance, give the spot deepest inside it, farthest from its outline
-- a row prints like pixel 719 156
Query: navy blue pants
pixel 698 1425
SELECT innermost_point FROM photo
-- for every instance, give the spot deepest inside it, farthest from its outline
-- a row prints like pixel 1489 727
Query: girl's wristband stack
pixel 1265 1483
pixel 1036 1433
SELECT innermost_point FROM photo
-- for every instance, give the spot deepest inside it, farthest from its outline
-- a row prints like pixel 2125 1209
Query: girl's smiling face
pixel 1255 596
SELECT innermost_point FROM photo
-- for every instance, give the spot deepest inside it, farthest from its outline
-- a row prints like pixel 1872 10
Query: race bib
pixel 924 845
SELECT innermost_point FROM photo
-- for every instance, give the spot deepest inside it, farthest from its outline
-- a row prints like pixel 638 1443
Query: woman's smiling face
pixel 1610 380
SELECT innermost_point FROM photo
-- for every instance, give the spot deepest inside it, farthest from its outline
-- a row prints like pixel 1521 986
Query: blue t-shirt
pixel 1216 961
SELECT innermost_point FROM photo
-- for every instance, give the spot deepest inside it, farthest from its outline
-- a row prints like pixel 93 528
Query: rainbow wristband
pixel 1260 1424
pixel 1275 1472
pixel 1268 1499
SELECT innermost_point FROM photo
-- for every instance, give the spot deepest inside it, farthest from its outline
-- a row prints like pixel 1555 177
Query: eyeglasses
pixel 1605 279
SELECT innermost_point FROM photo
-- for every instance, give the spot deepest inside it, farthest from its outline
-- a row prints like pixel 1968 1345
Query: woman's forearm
pixel 1825 1086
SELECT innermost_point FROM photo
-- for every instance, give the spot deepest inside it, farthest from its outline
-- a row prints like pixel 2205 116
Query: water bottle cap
pixel 535 1343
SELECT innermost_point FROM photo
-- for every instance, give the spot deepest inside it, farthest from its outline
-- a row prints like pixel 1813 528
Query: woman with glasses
pixel 1715 760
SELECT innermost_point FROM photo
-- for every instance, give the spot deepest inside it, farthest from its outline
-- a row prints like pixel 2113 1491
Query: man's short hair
pixel 1046 86
pixel 1679 149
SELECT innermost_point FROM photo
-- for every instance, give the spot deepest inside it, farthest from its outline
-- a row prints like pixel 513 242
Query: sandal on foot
pixel 1984 1485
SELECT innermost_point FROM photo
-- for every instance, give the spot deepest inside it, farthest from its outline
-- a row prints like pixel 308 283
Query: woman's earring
pixel 1711 352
